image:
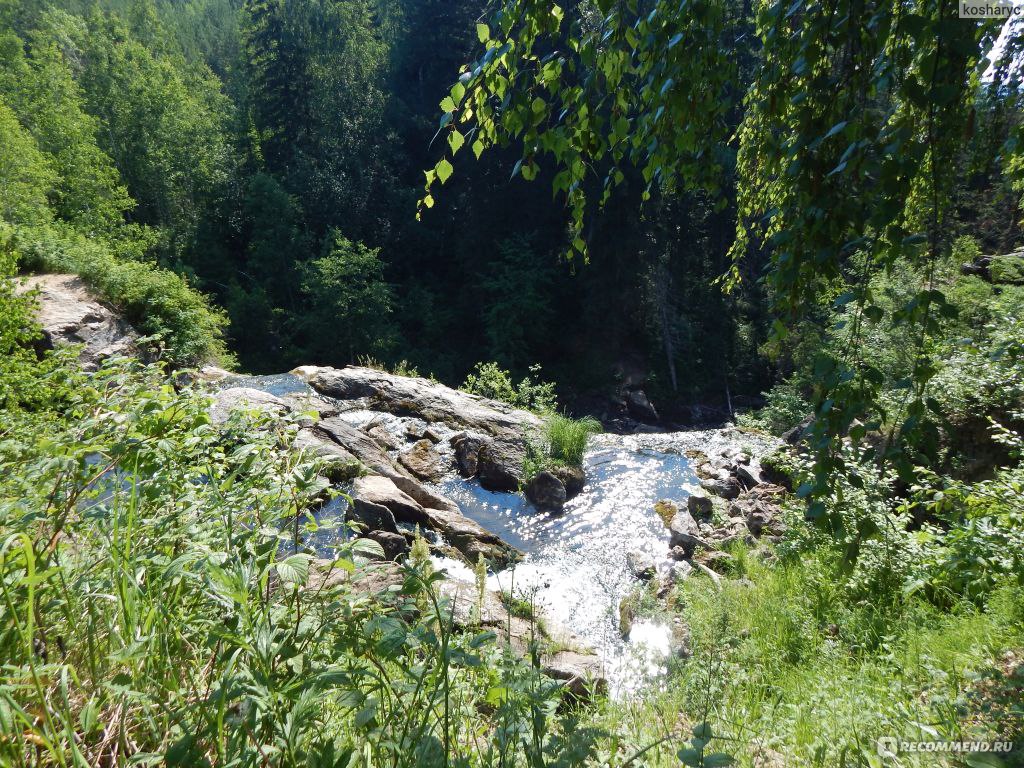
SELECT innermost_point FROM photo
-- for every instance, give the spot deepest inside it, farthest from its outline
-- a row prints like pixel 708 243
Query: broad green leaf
pixel 444 169
pixel 455 140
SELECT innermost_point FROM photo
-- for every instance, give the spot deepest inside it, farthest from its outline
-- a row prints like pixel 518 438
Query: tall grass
pixel 563 442
pixel 567 437
pixel 158 608
pixel 789 671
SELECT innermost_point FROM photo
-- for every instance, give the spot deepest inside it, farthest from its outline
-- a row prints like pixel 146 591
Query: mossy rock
pixel 667 510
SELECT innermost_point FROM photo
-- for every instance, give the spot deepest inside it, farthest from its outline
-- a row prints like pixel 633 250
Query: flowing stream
pixel 575 566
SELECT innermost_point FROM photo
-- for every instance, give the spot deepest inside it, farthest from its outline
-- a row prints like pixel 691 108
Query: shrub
pixel 156 301
pixel 491 381
pixel 25 380
pixel 785 407
pixel 1007 269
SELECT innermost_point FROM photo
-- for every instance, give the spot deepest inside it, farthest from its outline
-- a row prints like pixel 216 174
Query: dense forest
pixel 800 222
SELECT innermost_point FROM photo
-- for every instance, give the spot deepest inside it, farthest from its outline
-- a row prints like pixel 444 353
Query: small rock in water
pixel 546 492
pixel 641 565
pixel 376 517
pixel 572 478
pixel 422 460
pixel 414 430
pixel 685 533
pixel 393 544
pixel 467 453
pixel 382 437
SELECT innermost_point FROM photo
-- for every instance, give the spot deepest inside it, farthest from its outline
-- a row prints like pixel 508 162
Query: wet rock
pixel 699 505
pixel 381 492
pixel 685 533
pixel 727 488
pixel 500 465
pixel 467 453
pixel 382 437
pixel 546 492
pixel 640 407
pixel 69 313
pixel 422 461
pixel 374 517
pixel 641 565
pixel 394 544
pixel 471 539
pixel 226 401
pixel 572 478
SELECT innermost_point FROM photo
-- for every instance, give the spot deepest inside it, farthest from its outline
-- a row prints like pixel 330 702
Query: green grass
pixel 567 437
pixel 563 442
pixel 159 607
pixel 789 672
pixel 1007 269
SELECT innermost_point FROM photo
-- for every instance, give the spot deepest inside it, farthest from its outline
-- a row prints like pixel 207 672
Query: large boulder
pixel 500 465
pixel 69 313
pixel 546 492
pixel 226 401
pixel 422 461
pixel 380 491
pixel 425 399
pixel 467 537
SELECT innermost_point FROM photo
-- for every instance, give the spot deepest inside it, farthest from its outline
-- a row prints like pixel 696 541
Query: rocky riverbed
pixel 414 455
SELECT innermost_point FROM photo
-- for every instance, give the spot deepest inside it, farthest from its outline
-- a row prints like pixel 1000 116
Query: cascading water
pixel 575 563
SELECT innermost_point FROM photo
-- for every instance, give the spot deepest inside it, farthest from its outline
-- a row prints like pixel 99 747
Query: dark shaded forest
pixel 273 153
